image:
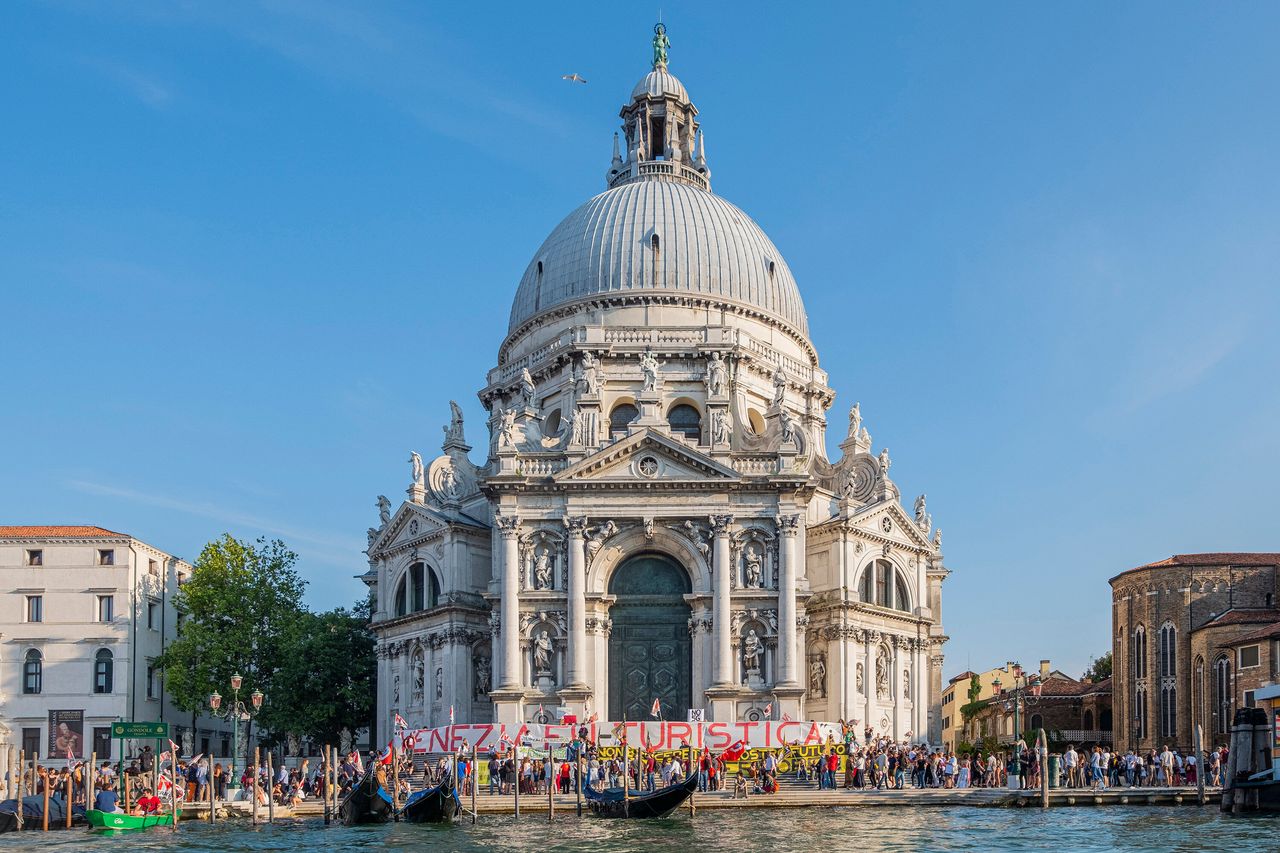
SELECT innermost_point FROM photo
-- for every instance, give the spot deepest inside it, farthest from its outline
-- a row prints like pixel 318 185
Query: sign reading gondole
pixel 654 736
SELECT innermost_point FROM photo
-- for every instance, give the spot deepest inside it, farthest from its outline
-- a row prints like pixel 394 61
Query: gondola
pixel 660 803
pixel 368 802
pixel 33 811
pixel 433 805
pixel 112 821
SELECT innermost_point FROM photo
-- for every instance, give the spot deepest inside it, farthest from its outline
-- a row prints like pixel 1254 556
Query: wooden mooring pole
pixel 515 761
pixel 44 785
pixel 475 782
pixel 90 780
pixel 1043 744
pixel 1200 767
pixel 22 776
pixel 253 786
pixel 271 787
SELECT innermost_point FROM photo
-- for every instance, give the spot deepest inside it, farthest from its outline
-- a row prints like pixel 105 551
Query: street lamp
pixel 237 712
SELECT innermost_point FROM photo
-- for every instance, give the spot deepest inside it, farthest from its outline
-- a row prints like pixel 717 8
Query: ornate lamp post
pixel 237 712
pixel 1024 693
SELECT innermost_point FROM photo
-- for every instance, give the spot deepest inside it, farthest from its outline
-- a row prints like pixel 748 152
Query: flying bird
pixel 575 77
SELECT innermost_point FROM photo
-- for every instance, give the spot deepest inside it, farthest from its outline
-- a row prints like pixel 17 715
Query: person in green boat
pixel 148 803
pixel 107 801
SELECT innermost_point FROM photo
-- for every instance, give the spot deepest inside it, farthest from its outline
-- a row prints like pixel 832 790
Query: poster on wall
pixel 66 734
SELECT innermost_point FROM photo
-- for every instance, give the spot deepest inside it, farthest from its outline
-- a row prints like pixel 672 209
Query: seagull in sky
pixel 575 77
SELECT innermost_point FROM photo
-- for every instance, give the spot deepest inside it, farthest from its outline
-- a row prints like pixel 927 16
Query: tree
pixel 1099 669
pixel 970 709
pixel 326 682
pixel 235 612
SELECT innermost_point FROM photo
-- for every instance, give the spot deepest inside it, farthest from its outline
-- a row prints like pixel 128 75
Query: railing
pixel 659 169
pixel 758 465
pixel 648 335
pixel 1068 736
pixel 541 467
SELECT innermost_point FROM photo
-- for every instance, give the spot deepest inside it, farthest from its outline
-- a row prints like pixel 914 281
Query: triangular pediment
pixel 647 457
pixel 411 521
pixel 902 528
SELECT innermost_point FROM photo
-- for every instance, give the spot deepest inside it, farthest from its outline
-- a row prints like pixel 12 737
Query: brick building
pixel 1176 631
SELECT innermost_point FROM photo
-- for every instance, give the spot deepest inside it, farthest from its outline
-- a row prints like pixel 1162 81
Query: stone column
pixel 723 670
pixel 788 526
pixel 869 639
pixel 895 687
pixel 509 529
pixel 577 594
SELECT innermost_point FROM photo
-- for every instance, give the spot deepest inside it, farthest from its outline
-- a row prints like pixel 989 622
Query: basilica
pixel 653 516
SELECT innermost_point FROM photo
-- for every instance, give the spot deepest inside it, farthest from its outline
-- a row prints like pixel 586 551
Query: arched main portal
pixel 650 655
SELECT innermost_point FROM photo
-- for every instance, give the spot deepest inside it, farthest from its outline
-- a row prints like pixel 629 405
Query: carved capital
pixel 789 524
pixel 508 525
pixel 576 525
pixel 720 524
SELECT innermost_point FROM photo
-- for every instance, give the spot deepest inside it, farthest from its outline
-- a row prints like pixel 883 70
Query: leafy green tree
pixel 1099 669
pixel 326 681
pixel 237 609
pixel 970 709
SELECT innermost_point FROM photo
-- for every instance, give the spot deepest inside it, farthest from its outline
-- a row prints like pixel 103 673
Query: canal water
pixel 810 830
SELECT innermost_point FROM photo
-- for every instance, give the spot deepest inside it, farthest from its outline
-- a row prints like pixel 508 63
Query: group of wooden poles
pixel 18 766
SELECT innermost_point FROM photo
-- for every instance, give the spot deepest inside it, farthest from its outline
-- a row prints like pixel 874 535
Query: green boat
pixel 111 820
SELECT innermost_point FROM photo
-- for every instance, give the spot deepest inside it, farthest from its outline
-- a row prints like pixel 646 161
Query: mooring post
pixel 1199 765
pixel 1044 769
pixel 271 787
pixel 89 780
pixel 577 776
pixel 550 769
pixel 22 778
pixel 253 786
pixel 44 785
pixel 395 783
pixel 515 775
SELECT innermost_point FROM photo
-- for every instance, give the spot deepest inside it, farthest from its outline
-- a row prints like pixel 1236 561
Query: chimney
pixel 1044 669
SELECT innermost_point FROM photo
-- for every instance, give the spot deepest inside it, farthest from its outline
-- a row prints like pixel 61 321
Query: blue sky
pixel 248 252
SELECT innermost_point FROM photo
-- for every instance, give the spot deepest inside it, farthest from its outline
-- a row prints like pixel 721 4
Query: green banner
pixel 140 730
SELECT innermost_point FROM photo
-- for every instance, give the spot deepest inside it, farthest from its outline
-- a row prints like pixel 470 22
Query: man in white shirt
pixel 1069 759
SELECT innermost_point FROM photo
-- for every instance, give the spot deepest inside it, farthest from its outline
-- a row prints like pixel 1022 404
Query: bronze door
pixel 650 654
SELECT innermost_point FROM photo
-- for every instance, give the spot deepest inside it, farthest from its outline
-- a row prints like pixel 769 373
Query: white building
pixel 83 614
pixel 656 514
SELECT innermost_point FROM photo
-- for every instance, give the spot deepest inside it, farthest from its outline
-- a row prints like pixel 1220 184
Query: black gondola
pixel 33 812
pixel 433 805
pixel 368 802
pixel 660 803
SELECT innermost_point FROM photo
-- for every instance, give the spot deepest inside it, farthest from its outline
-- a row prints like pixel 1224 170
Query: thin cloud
pixel 142 86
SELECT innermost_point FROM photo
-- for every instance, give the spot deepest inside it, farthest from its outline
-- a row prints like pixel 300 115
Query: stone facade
pixel 1175 626
pixel 657 403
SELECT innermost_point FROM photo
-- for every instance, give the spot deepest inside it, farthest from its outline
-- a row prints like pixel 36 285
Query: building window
pixel 1248 699
pixel 1037 722
pixel 1222 695
pixel 621 418
pixel 883 586
pixel 1140 713
pixel 153 568
pixel 32 673
pixel 35 608
pixel 1140 652
pixel 35 558
pixel 1249 657
pixel 106 557
pixel 416 592
pixel 102 742
pixel 106 608
pixel 103 672
pixel 31 741
pixel 226 746
pixel 1168 650
pixel 151 682
pixel 1168 710
pixel 153 615
pixel 204 746
pixel 685 420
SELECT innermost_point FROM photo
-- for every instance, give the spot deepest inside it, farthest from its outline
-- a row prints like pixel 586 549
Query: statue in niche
pixel 818 676
pixel 649 367
pixel 395 690
pixel 906 684
pixel 589 383
pixel 751 652
pixel 528 390
pixel 439 682
pixel 751 559
pixel 384 510
pixel 507 428
pixel 721 433
pixel 542 653
pixel 715 375
pixel 882 673
pixel 858 682
pixel 186 741
pixel 415 466
pixel 788 425
pixel 779 386
pixel 855 420
pixel 419 679
pixel 482 676
pixel 542 570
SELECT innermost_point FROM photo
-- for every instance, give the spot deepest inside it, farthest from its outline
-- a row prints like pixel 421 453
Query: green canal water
pixel 811 830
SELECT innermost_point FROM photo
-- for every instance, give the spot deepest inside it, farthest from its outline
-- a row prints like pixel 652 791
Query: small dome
pixel 699 243
pixel 660 83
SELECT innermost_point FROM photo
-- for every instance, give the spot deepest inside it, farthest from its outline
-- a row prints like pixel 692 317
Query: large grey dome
pixel 705 246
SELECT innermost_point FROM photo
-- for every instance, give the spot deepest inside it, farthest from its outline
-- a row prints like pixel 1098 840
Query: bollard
pixel 253 786
pixel 68 809
pixel 1200 767
pixel 22 775
pixel 271 788
pixel 90 780
pixel 475 782
pixel 550 770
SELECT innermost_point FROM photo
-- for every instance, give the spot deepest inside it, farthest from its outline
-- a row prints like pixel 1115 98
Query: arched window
pixel 104 672
pixel 685 420
pixel 402 598
pixel 620 418
pixel 1140 713
pixel 32 673
pixel 1088 720
pixel 883 586
pixel 1140 652
pixel 1168 710
pixel 1037 722
pixel 1222 695
pixel 1168 650
pixel 416 590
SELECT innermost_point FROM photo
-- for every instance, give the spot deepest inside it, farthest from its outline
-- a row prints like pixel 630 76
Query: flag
pixel 786 718
pixel 400 722
pixel 451 715
pixel 385 757
pixel 593 718
pixel 768 711
pixel 656 710
pixel 735 751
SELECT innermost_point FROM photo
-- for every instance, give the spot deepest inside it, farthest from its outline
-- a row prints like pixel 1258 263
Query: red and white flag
pixel 786 718
pixel 768 711
pixel 735 751
pixel 385 758
pixel 451 715
pixel 656 710
pixel 401 722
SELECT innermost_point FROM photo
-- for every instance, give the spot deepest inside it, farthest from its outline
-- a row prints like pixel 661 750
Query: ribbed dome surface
pixel 660 82
pixel 705 246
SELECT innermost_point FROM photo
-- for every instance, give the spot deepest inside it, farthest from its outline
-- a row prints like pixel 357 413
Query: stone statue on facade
pixel 715 375
pixel 920 510
pixel 696 535
pixel 528 390
pixel 395 691
pixel 858 679
pixel 779 386
pixel 937 539
pixel 449 482
pixel 720 430
pixel 855 420
pixel 573 429
pixel 660 45
pixel 542 653
pixel 751 652
pixel 482 676
pixel 882 673
pixel 384 510
pixel 885 461
pixel 818 676
pixel 906 684
pixel 372 534
pixel 751 558
pixel 439 682
pixel 788 427
pixel 589 383
pixel 649 367
pixel 415 467
pixel 419 678
pixel 453 432
pixel 542 570
pixel 507 427
pixel 597 539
